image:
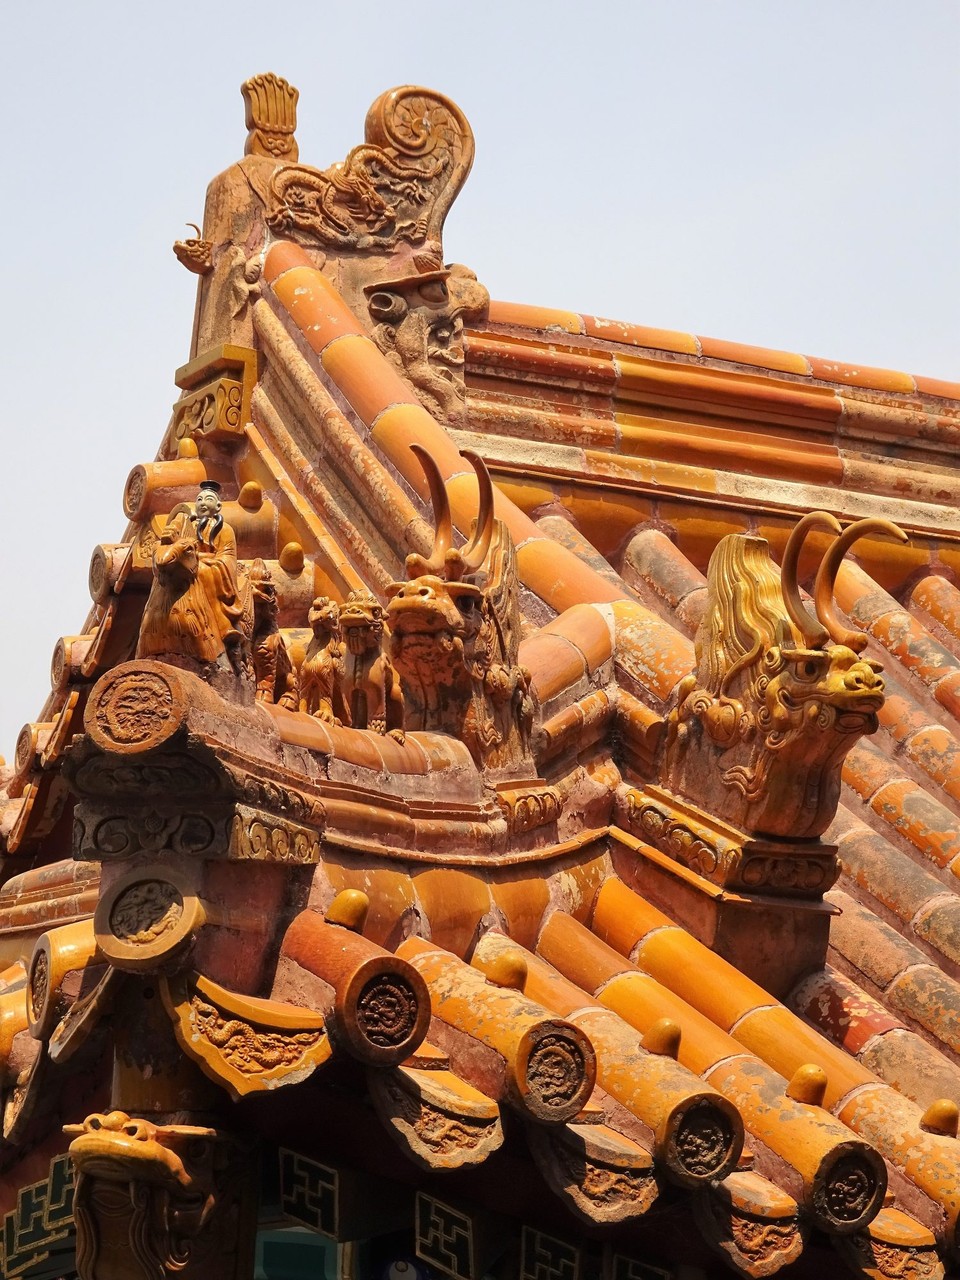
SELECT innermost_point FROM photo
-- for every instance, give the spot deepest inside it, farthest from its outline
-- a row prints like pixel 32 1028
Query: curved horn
pixel 475 552
pixel 814 635
pixel 196 229
pixel 827 577
pixel 443 537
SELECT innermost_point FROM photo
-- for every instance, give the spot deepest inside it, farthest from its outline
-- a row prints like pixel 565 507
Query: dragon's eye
pixel 808 669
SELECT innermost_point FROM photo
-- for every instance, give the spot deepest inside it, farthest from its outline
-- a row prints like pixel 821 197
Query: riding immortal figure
pixel 199 607
pixel 217 544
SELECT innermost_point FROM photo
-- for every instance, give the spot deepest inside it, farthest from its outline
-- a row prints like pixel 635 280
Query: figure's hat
pixel 407 268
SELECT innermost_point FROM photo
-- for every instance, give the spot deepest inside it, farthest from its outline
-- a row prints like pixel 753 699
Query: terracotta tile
pixel 763 357
pixel 867 769
pixel 859 596
pixel 578 954
pixel 900 715
pixel 912 1067
pixel 587 628
pixel 930 998
pixel 721 390
pixel 653 652
pixel 527 317
pixel 546 987
pixel 584 880
pixel 406 424
pixel 920 818
pixel 526 494
pixel 503 1020
pixel 699 529
pixel 940 925
pixel 408 757
pixel 283 256
pixel 872 946
pixel 365 377
pixel 861 375
pixel 554 664
pixel 315 306
pixel 522 899
pixel 522 421
pixel 453 902
pixel 700 977
pixel 559 577
pixel 355 746
pixel 642 1001
pixel 662 567
pixel 464 503
pixel 565 532
pixel 784 1042
pixel 937 387
pixel 736 451
pixel 892 1124
pixel 891 564
pixel 651 472
pixel 533 359
pixel 841 1010
pixel 640 336
pixel 804 1136
pixel 947 693
pixel 607 519
pixel 303 730
pixel 937 753
pixel 442 752
pixel 391 895
pixel 890 876
pixel 910 642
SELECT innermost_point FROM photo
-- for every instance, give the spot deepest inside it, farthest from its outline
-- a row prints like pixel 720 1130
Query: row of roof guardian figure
pixel 455 631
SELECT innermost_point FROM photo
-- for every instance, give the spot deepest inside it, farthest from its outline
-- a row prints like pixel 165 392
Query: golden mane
pixel 747 614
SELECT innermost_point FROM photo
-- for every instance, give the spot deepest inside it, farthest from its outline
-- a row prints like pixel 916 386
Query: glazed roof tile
pixel 621 455
pixel 542 319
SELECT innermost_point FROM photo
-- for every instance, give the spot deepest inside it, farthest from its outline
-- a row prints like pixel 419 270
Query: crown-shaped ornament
pixel 270 117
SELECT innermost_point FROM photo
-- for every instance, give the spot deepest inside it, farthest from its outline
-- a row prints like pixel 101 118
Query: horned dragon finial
pixel 828 626
pixel 455 632
pixel 780 695
pixel 445 560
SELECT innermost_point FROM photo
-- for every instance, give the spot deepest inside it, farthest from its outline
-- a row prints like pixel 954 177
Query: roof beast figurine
pixel 778 697
pixel 456 633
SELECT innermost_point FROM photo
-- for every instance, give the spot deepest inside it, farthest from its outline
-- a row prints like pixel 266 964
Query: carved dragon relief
pixel 778 697
pixel 456 633
pixel 396 186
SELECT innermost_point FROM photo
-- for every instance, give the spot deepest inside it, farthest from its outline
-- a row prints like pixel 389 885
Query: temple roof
pixel 615 962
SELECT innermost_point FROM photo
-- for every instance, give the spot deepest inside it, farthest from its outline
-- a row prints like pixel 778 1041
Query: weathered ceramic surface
pixel 503 834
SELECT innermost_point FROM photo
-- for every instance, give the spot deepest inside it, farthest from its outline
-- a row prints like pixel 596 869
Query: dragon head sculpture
pixel 778 697
pixel 154 1200
pixel 455 632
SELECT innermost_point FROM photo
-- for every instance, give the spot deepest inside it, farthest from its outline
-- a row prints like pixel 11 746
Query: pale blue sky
pixel 772 173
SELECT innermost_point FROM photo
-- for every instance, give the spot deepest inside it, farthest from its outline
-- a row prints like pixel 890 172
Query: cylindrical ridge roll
pixel 380 1005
